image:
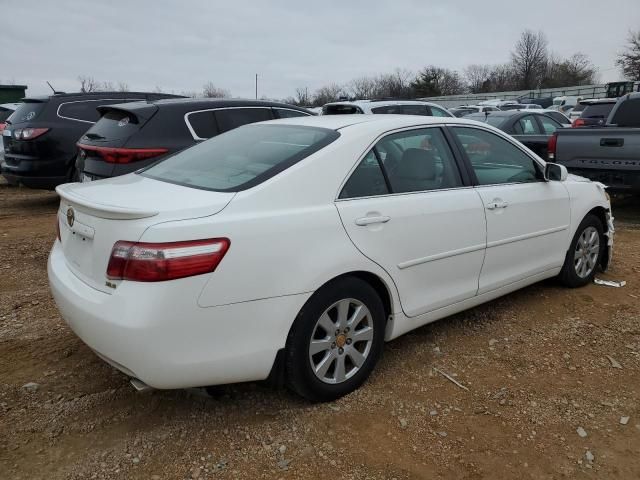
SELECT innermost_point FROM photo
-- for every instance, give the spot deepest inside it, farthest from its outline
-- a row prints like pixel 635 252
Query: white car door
pixel 527 218
pixel 406 207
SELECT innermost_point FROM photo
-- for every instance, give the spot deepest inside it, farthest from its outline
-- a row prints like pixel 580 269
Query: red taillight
pixel 156 262
pixel 29 133
pixel 551 147
pixel 578 122
pixel 2 126
pixel 123 155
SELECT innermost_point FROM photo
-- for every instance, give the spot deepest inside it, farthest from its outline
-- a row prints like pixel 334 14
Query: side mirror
pixel 555 172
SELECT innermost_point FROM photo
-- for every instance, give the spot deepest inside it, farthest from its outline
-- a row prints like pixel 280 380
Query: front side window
pixel 413 161
pixel 231 118
pixel 526 126
pixel 495 160
pixel 241 158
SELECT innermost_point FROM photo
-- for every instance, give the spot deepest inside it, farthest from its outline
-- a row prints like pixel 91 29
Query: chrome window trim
pixel 84 101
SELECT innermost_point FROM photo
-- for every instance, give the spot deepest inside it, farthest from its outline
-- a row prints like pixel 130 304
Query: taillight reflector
pixel 551 147
pixel 123 155
pixel 157 262
pixel 578 122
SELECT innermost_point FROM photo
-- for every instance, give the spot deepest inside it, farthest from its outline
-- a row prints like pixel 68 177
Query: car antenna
pixel 54 90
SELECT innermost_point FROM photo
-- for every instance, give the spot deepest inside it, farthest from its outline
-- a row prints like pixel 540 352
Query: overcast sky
pixel 180 45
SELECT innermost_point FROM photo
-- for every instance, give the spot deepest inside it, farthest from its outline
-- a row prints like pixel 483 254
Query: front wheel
pixel 336 340
pixel 584 254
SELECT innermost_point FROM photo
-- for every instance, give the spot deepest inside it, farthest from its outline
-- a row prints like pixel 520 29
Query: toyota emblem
pixel 71 216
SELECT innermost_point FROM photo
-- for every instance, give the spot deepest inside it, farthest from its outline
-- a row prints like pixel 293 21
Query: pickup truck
pixel 609 154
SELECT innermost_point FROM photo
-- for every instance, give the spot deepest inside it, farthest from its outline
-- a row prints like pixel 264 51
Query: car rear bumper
pixel 157 332
pixel 34 172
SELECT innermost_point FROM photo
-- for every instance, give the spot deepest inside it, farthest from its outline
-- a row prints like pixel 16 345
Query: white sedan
pixel 294 248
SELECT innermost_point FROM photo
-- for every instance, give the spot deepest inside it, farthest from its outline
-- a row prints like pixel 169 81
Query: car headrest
pixel 417 163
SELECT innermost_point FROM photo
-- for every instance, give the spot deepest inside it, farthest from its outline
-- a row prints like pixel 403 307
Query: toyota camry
pixel 295 248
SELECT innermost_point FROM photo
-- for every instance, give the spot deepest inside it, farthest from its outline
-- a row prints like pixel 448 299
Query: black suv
pixel 131 136
pixel 40 136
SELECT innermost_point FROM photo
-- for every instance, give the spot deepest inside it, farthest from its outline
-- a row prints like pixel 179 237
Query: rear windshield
pixel 580 107
pixel 340 109
pixel 241 158
pixel 597 110
pixel 510 107
pixel 27 111
pixel 114 124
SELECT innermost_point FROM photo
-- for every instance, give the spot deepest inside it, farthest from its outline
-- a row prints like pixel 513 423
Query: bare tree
pixel 575 70
pixel 434 81
pixel 629 60
pixel 395 85
pixel 529 59
pixel 186 93
pixel 88 84
pixel 362 88
pixel 326 94
pixel 302 97
pixel 123 86
pixel 477 77
pixel 209 90
pixel 106 86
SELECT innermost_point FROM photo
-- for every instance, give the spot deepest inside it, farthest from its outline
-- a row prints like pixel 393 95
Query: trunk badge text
pixel 71 216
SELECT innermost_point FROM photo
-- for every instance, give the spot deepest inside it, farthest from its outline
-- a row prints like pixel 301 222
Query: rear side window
pixel 402 110
pixel 367 180
pixel 526 126
pixel 28 111
pixel 4 114
pixel 438 112
pixel 597 110
pixel 112 125
pixel 85 110
pixel 203 124
pixel 287 113
pixel 628 113
pixel 241 158
pixel 231 118
pixel 548 124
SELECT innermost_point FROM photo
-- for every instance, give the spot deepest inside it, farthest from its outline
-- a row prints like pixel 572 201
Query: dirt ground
pixel 539 365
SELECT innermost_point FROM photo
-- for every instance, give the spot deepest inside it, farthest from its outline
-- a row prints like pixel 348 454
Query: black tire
pixel 569 275
pixel 300 376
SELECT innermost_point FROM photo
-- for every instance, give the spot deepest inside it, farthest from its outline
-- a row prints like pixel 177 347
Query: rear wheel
pixel 583 257
pixel 335 341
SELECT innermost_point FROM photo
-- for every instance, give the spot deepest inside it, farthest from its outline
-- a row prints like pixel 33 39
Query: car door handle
pixel 612 142
pixel 497 204
pixel 371 220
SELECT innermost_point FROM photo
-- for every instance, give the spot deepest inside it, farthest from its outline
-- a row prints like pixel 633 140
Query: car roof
pixel 192 104
pixel 62 95
pixel 595 101
pixel 381 103
pixel 384 122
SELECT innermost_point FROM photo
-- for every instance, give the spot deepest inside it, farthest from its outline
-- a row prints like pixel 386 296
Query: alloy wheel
pixel 587 251
pixel 341 341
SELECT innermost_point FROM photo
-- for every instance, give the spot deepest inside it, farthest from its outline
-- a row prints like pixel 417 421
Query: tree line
pixel 532 65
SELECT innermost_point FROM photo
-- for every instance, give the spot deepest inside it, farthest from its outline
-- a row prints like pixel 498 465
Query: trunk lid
pixel 92 217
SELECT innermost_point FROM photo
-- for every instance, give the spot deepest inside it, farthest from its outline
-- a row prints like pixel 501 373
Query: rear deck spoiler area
pixel 101 210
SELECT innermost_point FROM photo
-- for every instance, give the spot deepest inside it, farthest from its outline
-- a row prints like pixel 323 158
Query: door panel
pixel 527 231
pixel 432 243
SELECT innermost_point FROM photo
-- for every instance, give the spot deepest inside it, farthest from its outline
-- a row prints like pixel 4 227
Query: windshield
pixel 241 158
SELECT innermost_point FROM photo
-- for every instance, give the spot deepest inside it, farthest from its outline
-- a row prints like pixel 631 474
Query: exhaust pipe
pixel 140 386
